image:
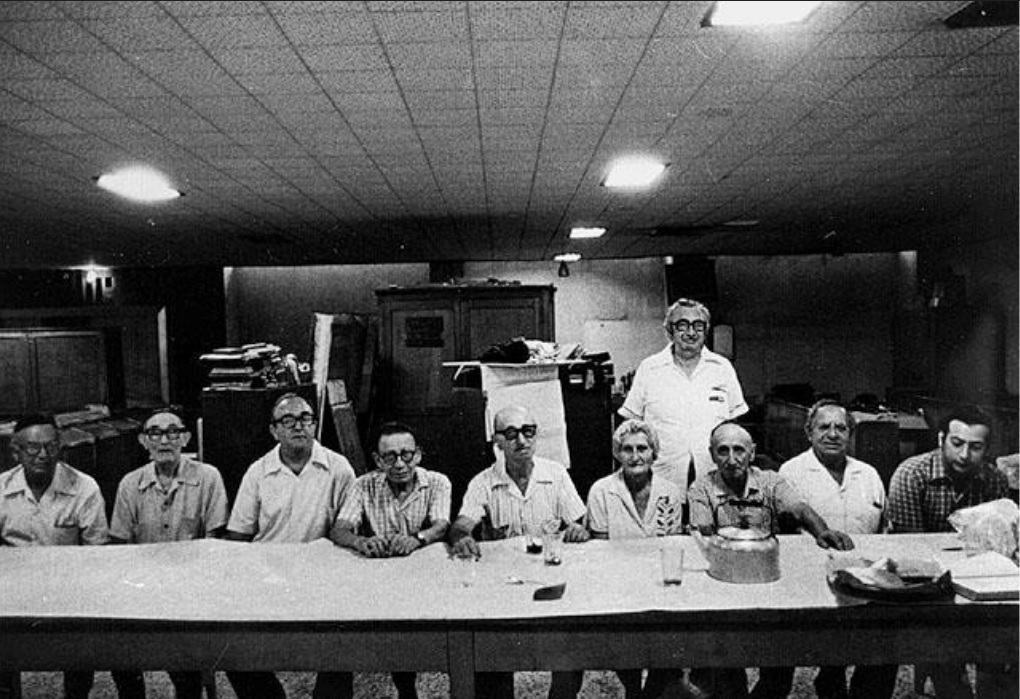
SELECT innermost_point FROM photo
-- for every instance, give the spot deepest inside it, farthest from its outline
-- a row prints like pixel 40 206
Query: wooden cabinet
pixel 422 327
pixel 54 370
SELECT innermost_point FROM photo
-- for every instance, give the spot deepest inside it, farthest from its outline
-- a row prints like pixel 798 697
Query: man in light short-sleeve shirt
pixel 290 495
pixel 683 392
pixel 171 498
pixel 519 490
pixel 45 502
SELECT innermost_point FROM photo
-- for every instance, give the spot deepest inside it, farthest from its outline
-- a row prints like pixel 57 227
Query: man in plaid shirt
pixel 925 489
pixel 395 510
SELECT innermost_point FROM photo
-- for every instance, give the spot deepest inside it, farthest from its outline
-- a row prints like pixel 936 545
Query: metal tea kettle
pixel 741 554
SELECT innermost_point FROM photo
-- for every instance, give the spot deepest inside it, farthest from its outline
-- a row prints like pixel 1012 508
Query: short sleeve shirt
pixel 372 504
pixel 493 497
pixel 684 409
pixel 70 513
pixel 856 506
pixel 193 505
pixel 922 495
pixel 766 495
pixel 280 506
pixel 611 509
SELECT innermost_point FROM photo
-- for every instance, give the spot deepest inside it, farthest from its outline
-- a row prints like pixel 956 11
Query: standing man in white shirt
pixel 683 392
pixel 850 496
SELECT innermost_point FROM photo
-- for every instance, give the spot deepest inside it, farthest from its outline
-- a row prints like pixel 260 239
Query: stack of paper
pixel 987 576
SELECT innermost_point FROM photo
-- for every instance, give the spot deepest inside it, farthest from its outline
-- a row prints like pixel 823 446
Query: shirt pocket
pixel 718 403
pixel 65 535
pixel 189 528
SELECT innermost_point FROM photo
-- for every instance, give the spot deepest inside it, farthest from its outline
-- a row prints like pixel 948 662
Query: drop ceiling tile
pixel 435 55
pixel 362 57
pixel 533 21
pixel 612 22
pixel 29 10
pixel 253 61
pixel 348 26
pixel 300 83
pixel 420 27
pixel 234 31
pixel 235 8
pixel 516 54
pixel 39 38
pixel 414 79
pixel 139 33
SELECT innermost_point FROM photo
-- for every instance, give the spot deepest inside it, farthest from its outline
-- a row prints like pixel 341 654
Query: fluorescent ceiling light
pixel 568 257
pixel 757 13
pixel 589 232
pixel 141 184
pixel 633 172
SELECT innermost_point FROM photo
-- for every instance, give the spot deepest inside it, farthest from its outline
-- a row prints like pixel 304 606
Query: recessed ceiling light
pixel 587 232
pixel 568 257
pixel 740 14
pixel 633 172
pixel 139 183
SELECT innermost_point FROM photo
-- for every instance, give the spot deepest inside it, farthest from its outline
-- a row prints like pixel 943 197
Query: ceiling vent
pixel 984 14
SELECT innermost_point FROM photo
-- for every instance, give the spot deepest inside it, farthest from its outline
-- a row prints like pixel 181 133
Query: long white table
pixel 219 605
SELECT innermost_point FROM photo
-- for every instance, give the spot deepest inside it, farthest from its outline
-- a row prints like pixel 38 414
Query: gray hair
pixel 687 303
pixel 635 426
pixel 824 403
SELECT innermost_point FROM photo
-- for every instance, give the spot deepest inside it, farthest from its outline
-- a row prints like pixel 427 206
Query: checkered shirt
pixel 922 495
pixel 373 509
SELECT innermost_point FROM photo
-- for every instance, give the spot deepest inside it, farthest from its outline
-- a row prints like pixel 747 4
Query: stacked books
pixel 247 366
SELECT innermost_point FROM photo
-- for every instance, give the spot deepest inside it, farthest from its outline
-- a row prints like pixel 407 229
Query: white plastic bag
pixel 990 526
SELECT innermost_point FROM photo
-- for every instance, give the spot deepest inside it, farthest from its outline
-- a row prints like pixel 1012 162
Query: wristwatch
pixel 420 536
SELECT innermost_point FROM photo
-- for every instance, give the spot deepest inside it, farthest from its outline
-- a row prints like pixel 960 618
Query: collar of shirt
pixel 723 491
pixel 418 481
pixel 665 357
pixel 852 469
pixel 64 481
pixel 540 473
pixel 318 458
pixel 186 473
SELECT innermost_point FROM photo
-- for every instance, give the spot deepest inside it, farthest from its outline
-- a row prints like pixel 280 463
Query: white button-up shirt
pixel 493 497
pixel 856 506
pixel 684 409
pixel 280 506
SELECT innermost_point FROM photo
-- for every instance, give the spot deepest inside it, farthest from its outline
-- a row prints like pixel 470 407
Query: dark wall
pixel 192 296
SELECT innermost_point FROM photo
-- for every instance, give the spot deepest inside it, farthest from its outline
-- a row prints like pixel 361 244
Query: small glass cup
pixel 671 558
pixel 532 539
pixel 552 544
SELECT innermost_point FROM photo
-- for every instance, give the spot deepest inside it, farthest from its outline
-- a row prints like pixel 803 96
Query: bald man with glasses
pixel 395 510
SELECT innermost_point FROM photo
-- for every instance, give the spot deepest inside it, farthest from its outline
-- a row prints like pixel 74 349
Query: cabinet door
pixel 421 339
pixel 17 381
pixel 72 369
pixel 491 321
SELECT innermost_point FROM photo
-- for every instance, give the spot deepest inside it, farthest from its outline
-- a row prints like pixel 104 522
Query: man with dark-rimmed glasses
pixel 171 498
pixel 290 495
pixel 395 510
pixel 519 491
pixel 683 392
pixel 45 502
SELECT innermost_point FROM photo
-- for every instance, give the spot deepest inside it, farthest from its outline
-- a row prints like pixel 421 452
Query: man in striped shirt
pixel 395 510
pixel 519 491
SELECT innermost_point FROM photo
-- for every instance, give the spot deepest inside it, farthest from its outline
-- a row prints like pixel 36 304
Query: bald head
pixel 514 431
pixel 732 451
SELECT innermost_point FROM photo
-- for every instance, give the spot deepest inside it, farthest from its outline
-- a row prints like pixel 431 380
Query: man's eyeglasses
pixel 511 433
pixel 35 448
pixel 682 326
pixel 288 421
pixel 171 433
pixel 405 455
